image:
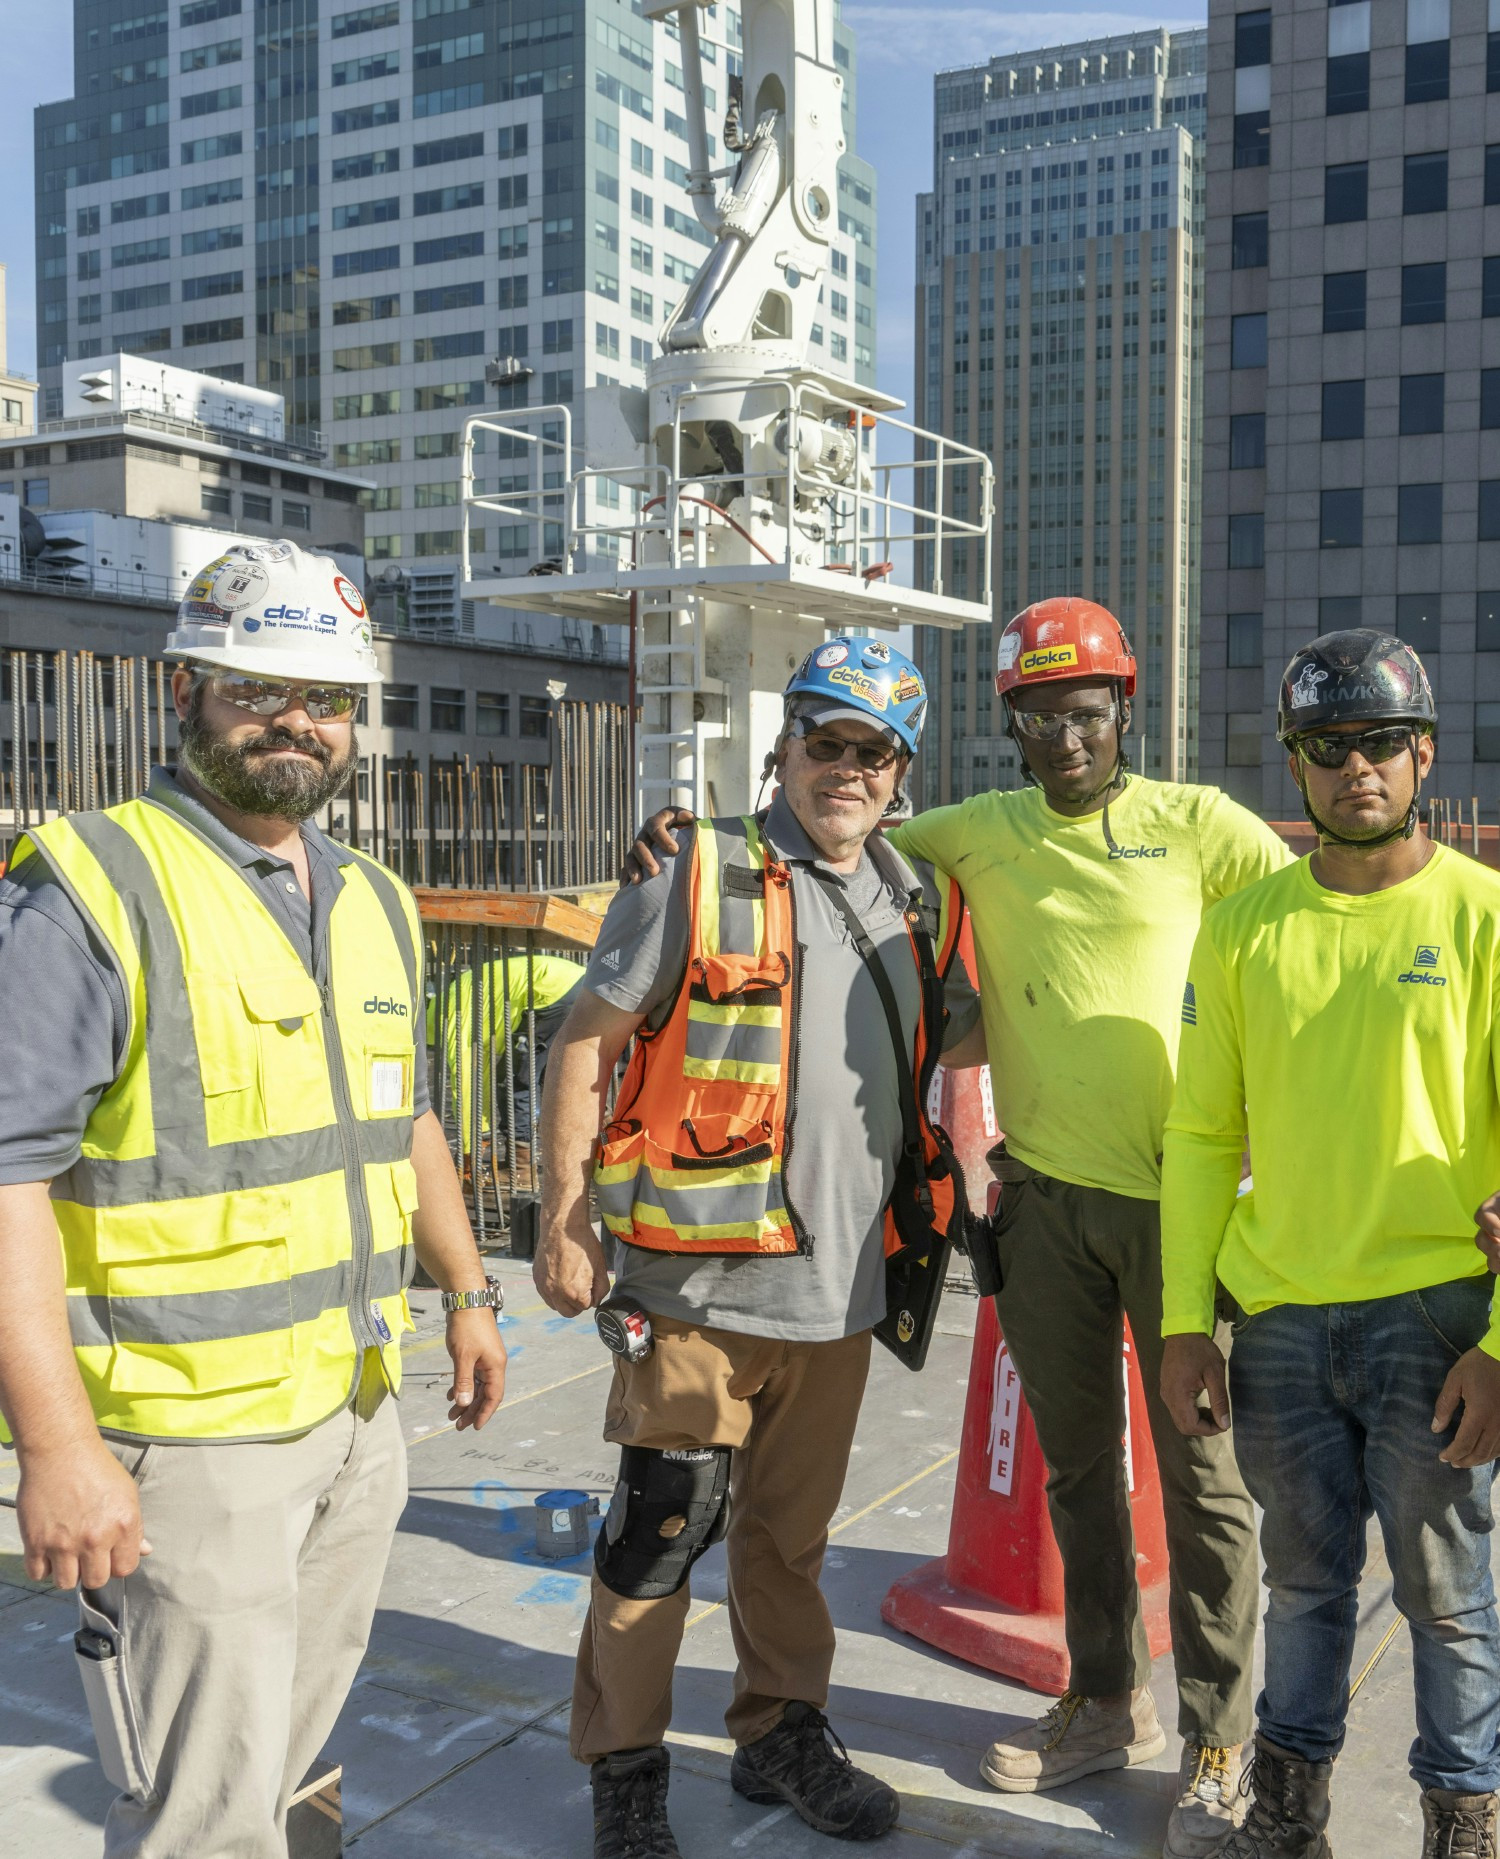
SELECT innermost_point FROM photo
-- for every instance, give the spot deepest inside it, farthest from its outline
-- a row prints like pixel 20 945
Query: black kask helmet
pixel 1356 676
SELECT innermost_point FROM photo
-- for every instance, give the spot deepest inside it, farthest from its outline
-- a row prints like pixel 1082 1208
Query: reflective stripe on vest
pixel 237 1228
pixel 692 1160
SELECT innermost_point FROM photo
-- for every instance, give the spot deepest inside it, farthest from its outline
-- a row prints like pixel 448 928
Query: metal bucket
pixel 562 1523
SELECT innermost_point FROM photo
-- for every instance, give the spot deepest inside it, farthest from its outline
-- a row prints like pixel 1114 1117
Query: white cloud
pixel 941 37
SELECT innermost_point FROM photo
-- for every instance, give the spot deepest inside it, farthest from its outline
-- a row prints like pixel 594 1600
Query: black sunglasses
pixel 873 757
pixel 1375 745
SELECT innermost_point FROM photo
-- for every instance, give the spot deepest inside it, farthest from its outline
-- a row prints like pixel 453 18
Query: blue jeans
pixel 1333 1422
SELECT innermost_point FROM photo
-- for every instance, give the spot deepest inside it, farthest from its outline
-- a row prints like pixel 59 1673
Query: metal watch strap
pixel 491 1298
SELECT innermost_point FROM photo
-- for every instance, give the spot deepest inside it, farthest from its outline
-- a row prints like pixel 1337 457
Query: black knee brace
pixel 668 1507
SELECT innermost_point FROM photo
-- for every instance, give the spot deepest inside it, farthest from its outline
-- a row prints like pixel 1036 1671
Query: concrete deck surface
pixel 454 1740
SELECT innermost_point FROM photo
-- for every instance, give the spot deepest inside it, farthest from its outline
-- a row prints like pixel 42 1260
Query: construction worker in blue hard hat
pixel 763 1284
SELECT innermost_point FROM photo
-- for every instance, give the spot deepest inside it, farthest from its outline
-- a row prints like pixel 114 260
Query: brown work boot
pixel 1076 1737
pixel 1209 1803
pixel 1458 1826
pixel 1288 1809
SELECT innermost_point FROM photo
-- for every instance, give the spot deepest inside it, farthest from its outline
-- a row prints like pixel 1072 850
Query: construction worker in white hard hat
pixel 217 1171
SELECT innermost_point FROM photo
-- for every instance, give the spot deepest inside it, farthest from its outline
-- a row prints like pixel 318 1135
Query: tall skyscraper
pixel 358 206
pixel 1352 412
pixel 1058 300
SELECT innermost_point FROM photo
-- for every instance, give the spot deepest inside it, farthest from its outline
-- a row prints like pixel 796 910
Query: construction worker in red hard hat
pixel 1085 890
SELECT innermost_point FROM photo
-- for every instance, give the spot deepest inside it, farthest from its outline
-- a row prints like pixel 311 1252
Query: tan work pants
pixel 789 1410
pixel 242 1631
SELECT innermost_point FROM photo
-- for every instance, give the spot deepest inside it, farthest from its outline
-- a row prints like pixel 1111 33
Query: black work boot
pixel 1288 1808
pixel 1458 1826
pixel 630 1805
pixel 802 1761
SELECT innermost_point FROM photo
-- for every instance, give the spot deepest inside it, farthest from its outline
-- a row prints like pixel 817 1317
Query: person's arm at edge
pixel 1202 1148
pixel 445 1247
pixel 570 1272
pixel 1237 847
pixel 78 1508
pixel 936 835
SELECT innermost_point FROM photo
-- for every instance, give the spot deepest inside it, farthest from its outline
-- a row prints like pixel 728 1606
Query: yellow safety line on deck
pixel 1375 1657
pixel 516 1400
pixel 838 1529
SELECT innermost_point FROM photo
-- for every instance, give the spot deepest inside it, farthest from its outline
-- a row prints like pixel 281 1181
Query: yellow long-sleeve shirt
pixel 1354 1038
pixel 1083 947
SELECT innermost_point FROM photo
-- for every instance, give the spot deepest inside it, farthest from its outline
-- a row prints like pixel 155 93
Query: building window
pixel 1247 345
pixel 1343 410
pixel 1492 62
pixel 1338 612
pixel 1252 138
pixel 1247 442
pixel 1242 731
pixel 1489 513
pixel 1345 192
pixel 1250 240
pixel 398 706
pixel 1417 622
pixel 1252 38
pixel 1487 716
pixel 1419 513
pixel 448 709
pixel 1341 519
pixel 1427 72
pixel 1489 397
pixel 1487 620
pixel 492 713
pixel 296 515
pixel 37 492
pixel 254 508
pixel 1343 301
pixel 535 717
pixel 1247 541
pixel 1424 293
pixel 1245 650
pixel 1421 403
pixel 1424 184
pixel 1348 86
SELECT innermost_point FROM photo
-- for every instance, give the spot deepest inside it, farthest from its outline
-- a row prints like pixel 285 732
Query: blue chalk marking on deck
pixel 554 1324
pixel 553 1591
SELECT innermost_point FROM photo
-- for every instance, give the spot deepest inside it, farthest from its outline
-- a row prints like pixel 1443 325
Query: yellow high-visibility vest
pixel 503 1006
pixel 238 1227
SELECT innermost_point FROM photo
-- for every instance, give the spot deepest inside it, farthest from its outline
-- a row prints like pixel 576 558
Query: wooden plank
pixel 558 924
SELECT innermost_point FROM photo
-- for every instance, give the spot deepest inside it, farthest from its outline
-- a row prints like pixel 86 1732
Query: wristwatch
pixel 491 1298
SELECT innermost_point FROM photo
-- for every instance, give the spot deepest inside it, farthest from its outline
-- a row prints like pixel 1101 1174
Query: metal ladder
pixel 669 675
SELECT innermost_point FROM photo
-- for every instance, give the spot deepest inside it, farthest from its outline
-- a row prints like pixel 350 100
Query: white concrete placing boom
pixel 771 499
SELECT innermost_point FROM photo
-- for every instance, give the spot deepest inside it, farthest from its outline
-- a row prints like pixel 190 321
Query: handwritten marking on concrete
pixel 393 1726
pixel 460 1730
pixel 757 1828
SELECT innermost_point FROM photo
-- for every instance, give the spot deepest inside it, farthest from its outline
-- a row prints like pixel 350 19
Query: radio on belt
pixel 624 1328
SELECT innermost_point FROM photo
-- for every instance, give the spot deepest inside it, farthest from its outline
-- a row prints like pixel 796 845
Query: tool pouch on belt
pixel 111 1702
pixel 983 1253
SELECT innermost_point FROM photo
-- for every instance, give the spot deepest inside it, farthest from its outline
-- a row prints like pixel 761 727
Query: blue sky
pixel 901 44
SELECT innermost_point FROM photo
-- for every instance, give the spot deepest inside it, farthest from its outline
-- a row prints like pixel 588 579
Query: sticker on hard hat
pixel 350 595
pixel 858 685
pixel 1048 658
pixel 239 584
pixel 1010 651
pixel 830 655
pixel 877 652
pixel 907 688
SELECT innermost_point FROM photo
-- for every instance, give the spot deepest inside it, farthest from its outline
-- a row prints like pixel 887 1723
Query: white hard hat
pixel 276 611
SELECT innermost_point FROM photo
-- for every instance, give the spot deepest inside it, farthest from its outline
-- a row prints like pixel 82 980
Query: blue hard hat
pixel 864 678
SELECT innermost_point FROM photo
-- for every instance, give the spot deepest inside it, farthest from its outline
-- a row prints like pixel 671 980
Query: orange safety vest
pixel 692 1160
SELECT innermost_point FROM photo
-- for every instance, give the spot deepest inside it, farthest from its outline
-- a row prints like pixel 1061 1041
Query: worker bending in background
pixel 782 978
pixel 1342 1015
pixel 216 1166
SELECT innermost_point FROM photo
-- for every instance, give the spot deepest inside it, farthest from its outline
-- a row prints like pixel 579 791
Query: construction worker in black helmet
pixel 1341 1015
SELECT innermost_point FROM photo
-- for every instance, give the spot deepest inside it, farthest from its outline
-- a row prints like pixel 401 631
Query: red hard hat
pixel 1063 638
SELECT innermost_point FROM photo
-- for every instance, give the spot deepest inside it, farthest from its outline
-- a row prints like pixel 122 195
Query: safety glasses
pixel 1045 725
pixel 322 702
pixel 1375 745
pixel 823 746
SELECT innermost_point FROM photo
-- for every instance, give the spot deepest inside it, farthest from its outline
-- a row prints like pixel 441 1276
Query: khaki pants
pixel 789 1410
pixel 1072 1259
pixel 242 1631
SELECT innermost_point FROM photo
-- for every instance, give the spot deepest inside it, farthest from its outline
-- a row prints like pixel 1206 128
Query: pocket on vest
pixel 260 1053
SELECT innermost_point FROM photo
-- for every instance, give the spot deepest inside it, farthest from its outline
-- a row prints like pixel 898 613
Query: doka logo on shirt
pixel 376 1005
pixel 1422 964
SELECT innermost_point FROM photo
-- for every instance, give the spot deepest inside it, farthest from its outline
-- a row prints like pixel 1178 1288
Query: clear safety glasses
pixel 1046 725
pixel 322 702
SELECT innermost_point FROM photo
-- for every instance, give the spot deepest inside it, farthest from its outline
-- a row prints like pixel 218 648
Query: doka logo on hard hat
pixel 1047 658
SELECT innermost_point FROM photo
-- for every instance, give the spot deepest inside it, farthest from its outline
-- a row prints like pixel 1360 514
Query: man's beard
pixel 279 789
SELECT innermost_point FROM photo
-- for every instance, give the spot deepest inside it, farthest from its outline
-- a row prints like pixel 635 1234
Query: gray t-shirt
pixel 60 999
pixel 846 1137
